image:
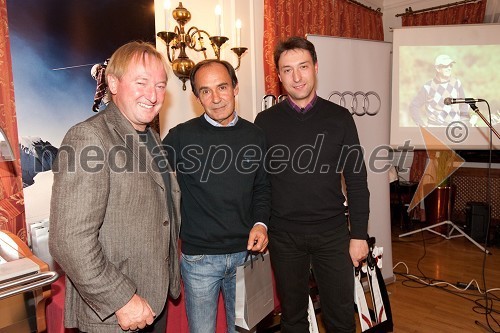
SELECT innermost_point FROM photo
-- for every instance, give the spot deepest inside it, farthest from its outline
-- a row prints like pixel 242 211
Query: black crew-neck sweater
pixel 307 152
pixel 224 187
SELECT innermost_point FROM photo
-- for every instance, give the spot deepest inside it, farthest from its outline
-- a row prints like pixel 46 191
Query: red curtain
pixel 286 18
pixel 11 195
pixel 355 21
pixel 469 13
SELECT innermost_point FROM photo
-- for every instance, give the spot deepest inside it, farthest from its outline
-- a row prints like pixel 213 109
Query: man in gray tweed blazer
pixel 114 220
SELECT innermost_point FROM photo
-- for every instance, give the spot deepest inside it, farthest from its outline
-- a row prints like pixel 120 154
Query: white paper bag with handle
pixel 254 291
pixel 311 317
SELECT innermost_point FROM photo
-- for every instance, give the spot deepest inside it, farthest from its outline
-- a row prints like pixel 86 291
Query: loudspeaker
pixel 477 214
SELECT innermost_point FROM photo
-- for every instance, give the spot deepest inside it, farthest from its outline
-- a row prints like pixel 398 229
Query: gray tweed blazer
pixel 114 223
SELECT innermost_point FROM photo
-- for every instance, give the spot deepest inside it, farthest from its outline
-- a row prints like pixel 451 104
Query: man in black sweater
pixel 312 143
pixel 219 159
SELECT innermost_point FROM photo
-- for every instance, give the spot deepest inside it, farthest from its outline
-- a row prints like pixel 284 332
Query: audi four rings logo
pixel 358 102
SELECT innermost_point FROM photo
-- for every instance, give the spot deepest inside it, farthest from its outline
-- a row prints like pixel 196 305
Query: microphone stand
pixel 476 109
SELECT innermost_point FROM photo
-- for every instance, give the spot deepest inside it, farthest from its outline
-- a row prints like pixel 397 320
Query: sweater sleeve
pixel 170 143
pixel 354 172
pixel 464 107
pixel 261 201
pixel 416 105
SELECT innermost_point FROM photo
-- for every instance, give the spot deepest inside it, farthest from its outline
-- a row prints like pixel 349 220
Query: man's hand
pixel 358 249
pixel 257 240
pixel 136 314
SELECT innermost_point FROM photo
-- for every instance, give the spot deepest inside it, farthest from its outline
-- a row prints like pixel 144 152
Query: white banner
pixel 356 74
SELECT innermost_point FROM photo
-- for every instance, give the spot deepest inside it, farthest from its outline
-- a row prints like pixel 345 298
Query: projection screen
pixel 434 65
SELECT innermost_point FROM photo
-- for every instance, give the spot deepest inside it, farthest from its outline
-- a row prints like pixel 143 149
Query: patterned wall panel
pixel 471 186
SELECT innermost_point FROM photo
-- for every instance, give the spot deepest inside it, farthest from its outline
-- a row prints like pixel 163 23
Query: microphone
pixel 449 100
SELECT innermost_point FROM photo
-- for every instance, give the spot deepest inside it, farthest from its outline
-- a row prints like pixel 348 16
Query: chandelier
pixel 179 40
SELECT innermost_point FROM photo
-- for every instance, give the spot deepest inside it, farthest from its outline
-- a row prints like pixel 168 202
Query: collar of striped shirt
pixel 308 107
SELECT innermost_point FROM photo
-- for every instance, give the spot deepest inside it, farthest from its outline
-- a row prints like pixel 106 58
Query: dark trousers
pixel 160 323
pixel 292 256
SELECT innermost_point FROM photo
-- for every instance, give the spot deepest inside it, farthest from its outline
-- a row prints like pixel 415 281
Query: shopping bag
pixel 378 319
pixel 254 291
pixel 311 317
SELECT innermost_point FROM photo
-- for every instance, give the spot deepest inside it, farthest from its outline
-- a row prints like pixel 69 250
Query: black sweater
pixel 225 189
pixel 307 153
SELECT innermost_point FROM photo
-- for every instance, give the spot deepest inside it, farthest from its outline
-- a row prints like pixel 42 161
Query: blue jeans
pixel 204 276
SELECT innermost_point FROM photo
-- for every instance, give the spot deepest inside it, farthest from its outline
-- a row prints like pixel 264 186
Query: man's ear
pixel 112 83
pixel 236 90
pixel 279 77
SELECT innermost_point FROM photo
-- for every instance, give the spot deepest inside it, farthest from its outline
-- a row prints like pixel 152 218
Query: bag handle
pixel 255 255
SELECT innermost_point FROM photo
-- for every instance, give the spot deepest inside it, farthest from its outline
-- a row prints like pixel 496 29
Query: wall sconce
pixel 6 152
pixel 178 40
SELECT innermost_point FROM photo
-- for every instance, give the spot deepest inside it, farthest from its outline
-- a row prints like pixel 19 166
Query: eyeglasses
pixel 445 66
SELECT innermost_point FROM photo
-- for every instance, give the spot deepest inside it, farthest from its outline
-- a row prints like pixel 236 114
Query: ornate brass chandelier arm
pixel 239 52
pixel 217 42
pixel 170 39
pixel 198 40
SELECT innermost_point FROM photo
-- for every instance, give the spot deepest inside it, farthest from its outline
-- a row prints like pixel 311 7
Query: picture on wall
pixel 54 46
